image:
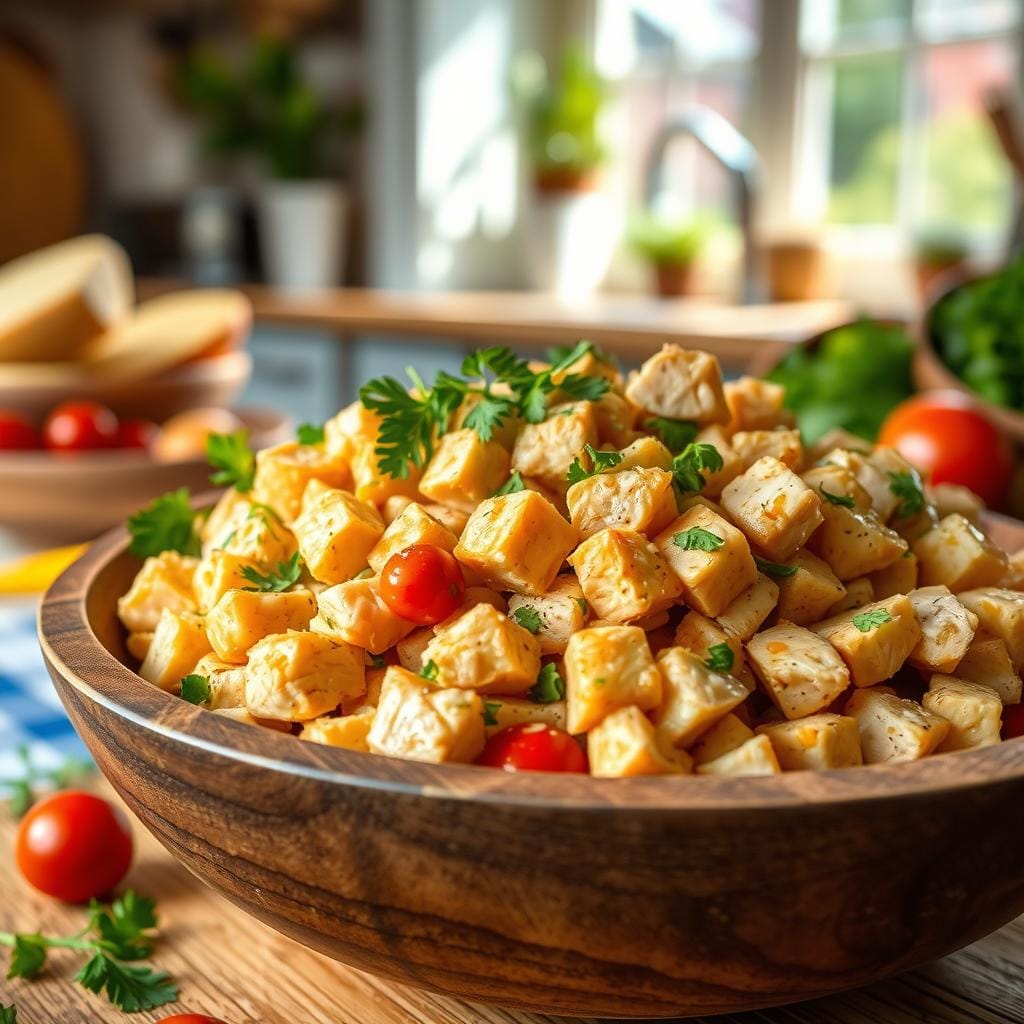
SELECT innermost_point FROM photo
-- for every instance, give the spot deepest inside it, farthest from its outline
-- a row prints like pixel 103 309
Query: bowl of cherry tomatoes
pixel 82 468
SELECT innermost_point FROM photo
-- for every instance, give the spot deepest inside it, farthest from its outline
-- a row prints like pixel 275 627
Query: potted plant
pixel 265 108
pixel 936 253
pixel 670 248
pixel 570 226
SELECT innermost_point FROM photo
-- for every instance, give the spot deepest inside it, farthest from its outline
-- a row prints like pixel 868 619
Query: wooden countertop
pixel 230 966
pixel 630 326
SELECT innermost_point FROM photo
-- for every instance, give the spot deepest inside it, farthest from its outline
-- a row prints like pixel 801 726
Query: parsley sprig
pixel 599 461
pixel 195 688
pixel 310 433
pixel 908 488
pixel 24 791
pixel 114 938
pixel 276 580
pixel 697 539
pixel 687 466
pixel 675 434
pixel 527 617
pixel 550 686
pixel 232 460
pixel 867 621
pixel 167 523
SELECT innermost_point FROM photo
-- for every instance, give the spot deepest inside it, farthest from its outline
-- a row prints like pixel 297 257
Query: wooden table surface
pixel 229 966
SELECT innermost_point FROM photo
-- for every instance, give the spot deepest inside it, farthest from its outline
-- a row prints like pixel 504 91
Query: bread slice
pixel 170 330
pixel 55 301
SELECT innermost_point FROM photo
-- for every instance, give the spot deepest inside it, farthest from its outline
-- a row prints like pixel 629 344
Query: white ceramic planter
pixel 569 240
pixel 303 227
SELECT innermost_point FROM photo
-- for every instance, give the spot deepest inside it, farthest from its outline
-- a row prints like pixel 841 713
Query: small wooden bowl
pixel 562 894
pixel 52 498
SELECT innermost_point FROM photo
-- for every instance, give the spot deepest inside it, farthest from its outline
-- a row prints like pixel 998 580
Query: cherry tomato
pixel 16 433
pixel 945 435
pixel 74 846
pixel 136 434
pixel 80 427
pixel 190 1018
pixel 1013 721
pixel 533 747
pixel 423 584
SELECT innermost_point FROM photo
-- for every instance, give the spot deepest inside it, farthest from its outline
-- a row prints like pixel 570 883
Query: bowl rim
pixel 73 651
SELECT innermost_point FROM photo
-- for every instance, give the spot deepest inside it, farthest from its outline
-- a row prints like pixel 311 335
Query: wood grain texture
pixel 639 897
pixel 229 965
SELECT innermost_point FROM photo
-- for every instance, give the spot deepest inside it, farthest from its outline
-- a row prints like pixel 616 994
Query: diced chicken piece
pixel 242 617
pixel 987 661
pixel 873 479
pixel 732 462
pixel 226 682
pixel 837 438
pixel 952 498
pixel 807 594
pixel 1000 612
pixel 179 641
pixel 371 484
pixel 626 744
pixel 545 450
pixel 746 613
pixel 453 518
pixel 217 573
pixel 336 535
pixel 818 742
pixel 260 536
pixel 389 511
pixel 697 634
pixel 349 732
pixel 801 671
pixel 725 735
pixel 854 543
pixel 607 668
pixel 645 453
pixel 784 445
pixel 516 542
pixel 833 482
pixel 680 385
pixel 947 629
pixel 623 576
pixel 899 577
pixel 974 712
pixel 893 729
pixel 756 404
pixel 859 592
pixel 464 470
pixel 562 611
pixel 709 556
pixel 410 649
pixel 282 473
pixel 773 506
pixel 754 758
pixel 355 613
pixel 616 417
pixel 231 509
pixel 296 676
pixel 164 581
pixel 505 711
pixel 875 640
pixel 958 555
pixel 315 492
pixel 353 428
pixel 484 650
pixel 634 499
pixel 413 525
pixel 371 698
pixel 137 644
pixel 695 696
pixel 421 722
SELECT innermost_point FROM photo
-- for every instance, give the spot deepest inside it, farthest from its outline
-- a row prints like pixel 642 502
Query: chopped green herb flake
pixel 867 621
pixel 491 709
pixel 550 686
pixel 513 485
pixel 310 433
pixel 774 568
pixel 697 539
pixel 908 488
pixel 195 689
pixel 720 658
pixel 688 464
pixel 429 671
pixel 837 499
pixel 277 580
pixel 527 617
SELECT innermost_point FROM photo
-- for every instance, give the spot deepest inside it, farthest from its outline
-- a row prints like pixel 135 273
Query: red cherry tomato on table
pixel 1013 721
pixel 136 434
pixel 74 846
pixel 80 427
pixel 945 435
pixel 423 584
pixel 190 1018
pixel 16 433
pixel 533 747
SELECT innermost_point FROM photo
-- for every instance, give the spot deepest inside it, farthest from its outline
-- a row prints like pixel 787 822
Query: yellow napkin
pixel 34 573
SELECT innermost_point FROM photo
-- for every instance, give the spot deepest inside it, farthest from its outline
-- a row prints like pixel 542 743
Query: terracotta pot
pixel 797 271
pixel 556 179
pixel 928 274
pixel 672 280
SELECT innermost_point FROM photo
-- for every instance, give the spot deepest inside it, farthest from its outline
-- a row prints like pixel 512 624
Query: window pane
pixel 966 179
pixel 858 14
pixel 944 18
pixel 825 24
pixel 867 95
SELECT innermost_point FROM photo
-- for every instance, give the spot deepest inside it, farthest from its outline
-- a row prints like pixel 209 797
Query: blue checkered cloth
pixel 30 713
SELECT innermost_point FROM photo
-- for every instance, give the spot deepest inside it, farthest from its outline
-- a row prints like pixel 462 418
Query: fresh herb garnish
pixel 907 487
pixel 167 523
pixel 837 499
pixel 599 461
pixel 584 607
pixel 112 936
pixel 550 686
pixel 310 433
pixel 774 568
pixel 232 459
pixel 195 688
pixel 491 709
pixel 697 539
pixel 429 671
pixel 527 617
pixel 376 661
pixel 720 658
pixel 24 790
pixel 513 485
pixel 277 580
pixel 867 621
pixel 687 466
pixel 675 434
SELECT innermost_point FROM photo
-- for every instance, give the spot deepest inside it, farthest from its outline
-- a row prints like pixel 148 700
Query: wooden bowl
pixel 52 498
pixel 33 389
pixel 555 893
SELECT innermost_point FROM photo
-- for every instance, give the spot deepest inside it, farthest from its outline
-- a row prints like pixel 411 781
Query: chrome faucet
pixel 735 153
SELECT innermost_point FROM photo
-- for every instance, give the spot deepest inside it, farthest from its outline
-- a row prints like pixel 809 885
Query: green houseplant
pixel 670 248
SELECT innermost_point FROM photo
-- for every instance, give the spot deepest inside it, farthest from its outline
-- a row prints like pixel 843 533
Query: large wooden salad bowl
pixel 640 897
